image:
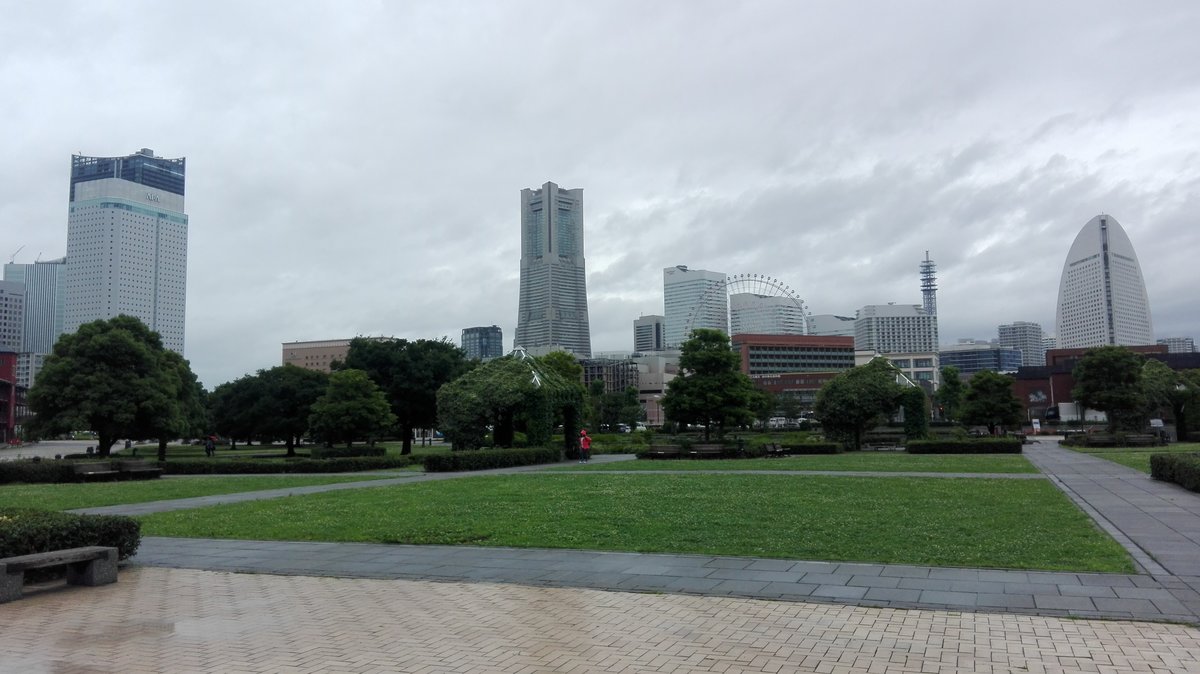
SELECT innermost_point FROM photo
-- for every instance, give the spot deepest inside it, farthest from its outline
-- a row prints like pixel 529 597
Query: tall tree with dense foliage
pixel 109 376
pixel 352 407
pixel 233 408
pixel 990 402
pixel 711 390
pixel 288 394
pixel 1109 379
pixel 950 394
pixel 1176 393
pixel 858 399
pixel 410 374
pixel 189 418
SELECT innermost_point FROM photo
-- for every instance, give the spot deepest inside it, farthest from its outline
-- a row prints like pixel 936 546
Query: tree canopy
pixel 711 390
pixel 1109 379
pixel 410 374
pixel 1176 393
pixel 112 377
pixel 351 407
pixel 858 399
pixel 989 401
pixel 950 394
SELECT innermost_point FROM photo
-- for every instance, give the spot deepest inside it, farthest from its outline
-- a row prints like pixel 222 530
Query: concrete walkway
pixel 1158 593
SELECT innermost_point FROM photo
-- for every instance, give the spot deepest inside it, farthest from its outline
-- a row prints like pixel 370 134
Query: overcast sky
pixel 355 167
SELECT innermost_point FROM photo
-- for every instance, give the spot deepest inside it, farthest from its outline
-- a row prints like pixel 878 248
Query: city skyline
pixel 370 191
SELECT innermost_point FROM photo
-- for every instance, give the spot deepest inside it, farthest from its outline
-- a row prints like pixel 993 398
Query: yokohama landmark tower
pixel 553 309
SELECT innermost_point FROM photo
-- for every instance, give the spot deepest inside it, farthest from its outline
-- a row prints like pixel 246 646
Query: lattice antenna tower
pixel 929 285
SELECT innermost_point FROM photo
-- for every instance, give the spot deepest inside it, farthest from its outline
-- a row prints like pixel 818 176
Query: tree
pixel 189 416
pixel 711 389
pixel 1109 379
pixel 352 406
pixel 990 402
pixel 289 393
pixel 858 399
pixel 410 374
pixel 109 376
pixel 1176 392
pixel 232 407
pixel 950 394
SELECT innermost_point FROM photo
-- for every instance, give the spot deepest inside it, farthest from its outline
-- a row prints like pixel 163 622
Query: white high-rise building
pixel 754 314
pixel 553 307
pixel 1102 295
pixel 895 328
pixel 45 297
pixel 1179 344
pixel 12 316
pixel 127 243
pixel 693 298
pixel 1027 338
pixel 649 334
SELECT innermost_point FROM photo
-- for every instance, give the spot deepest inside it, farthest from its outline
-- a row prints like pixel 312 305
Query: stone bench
pixel 93 565
pixel 102 470
pixel 138 470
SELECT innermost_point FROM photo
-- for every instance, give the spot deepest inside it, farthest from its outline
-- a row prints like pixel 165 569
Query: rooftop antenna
pixel 929 285
pixel 14 255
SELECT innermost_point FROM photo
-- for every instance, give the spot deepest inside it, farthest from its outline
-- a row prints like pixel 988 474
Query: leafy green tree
pixel 108 376
pixel 990 402
pixel 915 403
pixel 352 406
pixel 763 404
pixel 858 399
pixel 289 393
pixel 594 403
pixel 410 374
pixel 233 408
pixel 711 389
pixel 950 394
pixel 1177 393
pixel 1109 379
pixel 189 417
pixel 564 364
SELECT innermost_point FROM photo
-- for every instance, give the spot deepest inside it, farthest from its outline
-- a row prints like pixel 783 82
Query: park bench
pixel 92 565
pixel 664 452
pixel 774 449
pixel 706 451
pixel 1141 440
pixel 102 470
pixel 138 470
pixel 1100 440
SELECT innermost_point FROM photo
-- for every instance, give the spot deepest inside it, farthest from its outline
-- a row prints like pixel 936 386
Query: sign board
pixel 1037 426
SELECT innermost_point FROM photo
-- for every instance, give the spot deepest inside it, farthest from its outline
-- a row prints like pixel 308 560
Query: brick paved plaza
pixel 172 620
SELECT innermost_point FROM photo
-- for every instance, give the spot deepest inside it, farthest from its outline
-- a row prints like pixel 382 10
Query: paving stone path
pixel 1155 521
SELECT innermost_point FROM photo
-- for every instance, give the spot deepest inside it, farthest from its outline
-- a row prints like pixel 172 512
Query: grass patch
pixel 1137 458
pixel 993 523
pixel 96 494
pixel 890 462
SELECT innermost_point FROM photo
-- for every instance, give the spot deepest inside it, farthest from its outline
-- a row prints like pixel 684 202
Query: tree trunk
pixel 291 446
pixel 104 444
pixel 406 448
pixel 162 449
pixel 232 444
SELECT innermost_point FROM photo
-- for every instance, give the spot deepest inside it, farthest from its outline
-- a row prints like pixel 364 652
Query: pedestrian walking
pixel 210 447
pixel 585 446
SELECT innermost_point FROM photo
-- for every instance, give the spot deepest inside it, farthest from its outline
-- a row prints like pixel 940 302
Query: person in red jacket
pixel 585 446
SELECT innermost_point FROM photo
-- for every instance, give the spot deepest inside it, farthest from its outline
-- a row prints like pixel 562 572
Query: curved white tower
pixel 1102 296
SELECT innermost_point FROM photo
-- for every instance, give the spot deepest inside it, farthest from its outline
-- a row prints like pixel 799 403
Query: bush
pixel 234 466
pixel 979 446
pixel 1182 468
pixel 30 471
pixel 345 452
pixel 24 531
pixel 484 459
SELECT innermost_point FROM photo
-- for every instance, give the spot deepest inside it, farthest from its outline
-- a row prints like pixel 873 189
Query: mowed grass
pixel 890 462
pixel 976 522
pixel 95 494
pixel 1137 458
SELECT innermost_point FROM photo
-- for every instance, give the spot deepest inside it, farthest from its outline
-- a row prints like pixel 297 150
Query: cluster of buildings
pixel 127 236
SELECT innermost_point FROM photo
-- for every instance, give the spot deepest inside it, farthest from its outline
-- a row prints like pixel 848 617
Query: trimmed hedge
pixel 236 466
pixel 34 471
pixel 25 531
pixel 1182 468
pixel 345 452
pixel 980 446
pixel 484 459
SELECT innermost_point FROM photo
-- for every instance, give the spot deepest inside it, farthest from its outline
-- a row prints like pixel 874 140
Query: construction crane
pixel 14 255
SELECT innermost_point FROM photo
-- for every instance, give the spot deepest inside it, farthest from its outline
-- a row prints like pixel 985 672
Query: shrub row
pixel 345 452
pixel 483 459
pixel 343 465
pixel 33 471
pixel 25 531
pixel 1182 468
pixel 980 446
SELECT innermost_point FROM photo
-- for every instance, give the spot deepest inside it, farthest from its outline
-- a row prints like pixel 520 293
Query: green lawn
pixel 854 461
pixel 977 522
pixel 1137 458
pixel 95 494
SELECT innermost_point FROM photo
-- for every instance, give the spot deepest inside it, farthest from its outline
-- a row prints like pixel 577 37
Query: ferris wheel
pixel 751 303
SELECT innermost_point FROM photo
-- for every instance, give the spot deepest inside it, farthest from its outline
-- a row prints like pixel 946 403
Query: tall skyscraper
pixel 695 298
pixel 895 328
pixel 483 343
pixel 1101 295
pixel 754 314
pixel 127 243
pixel 1027 338
pixel 650 334
pixel 12 316
pixel 45 297
pixel 553 306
